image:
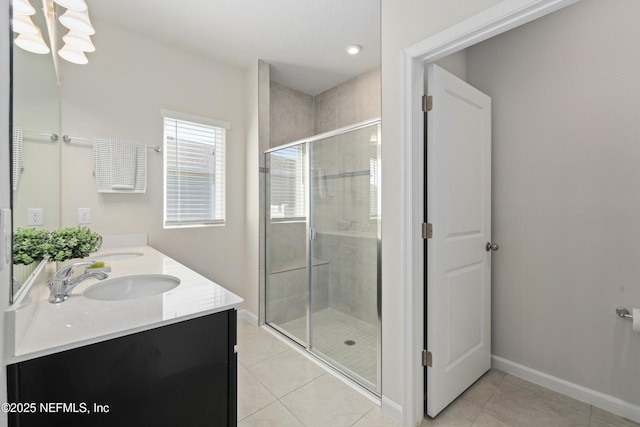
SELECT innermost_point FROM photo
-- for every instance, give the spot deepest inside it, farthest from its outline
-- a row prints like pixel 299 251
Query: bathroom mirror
pixel 36 159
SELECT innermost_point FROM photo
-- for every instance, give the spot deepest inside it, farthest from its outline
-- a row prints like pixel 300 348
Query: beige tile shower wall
pixel 291 115
pixel 352 279
pixel 341 195
pixel 350 102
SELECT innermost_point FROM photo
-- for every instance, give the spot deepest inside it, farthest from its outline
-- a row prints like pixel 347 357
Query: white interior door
pixel 458 263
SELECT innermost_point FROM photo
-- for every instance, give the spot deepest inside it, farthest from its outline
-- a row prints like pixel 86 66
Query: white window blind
pixel 194 171
pixel 288 183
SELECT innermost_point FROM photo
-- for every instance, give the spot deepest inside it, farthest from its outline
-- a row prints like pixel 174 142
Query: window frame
pixel 218 177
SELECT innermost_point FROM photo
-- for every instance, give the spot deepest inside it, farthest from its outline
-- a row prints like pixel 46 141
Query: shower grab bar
pixel 624 313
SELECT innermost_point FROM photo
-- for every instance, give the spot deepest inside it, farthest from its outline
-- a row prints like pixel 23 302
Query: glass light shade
pixel 73 55
pixel 22 7
pixel 22 24
pixel 32 42
pixel 77 5
pixel 79 41
pixel 77 21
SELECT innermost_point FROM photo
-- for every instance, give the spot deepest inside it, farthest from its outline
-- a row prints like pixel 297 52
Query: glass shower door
pixel 344 219
pixel 287 272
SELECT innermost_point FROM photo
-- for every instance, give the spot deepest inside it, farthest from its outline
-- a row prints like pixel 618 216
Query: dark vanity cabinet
pixel 183 374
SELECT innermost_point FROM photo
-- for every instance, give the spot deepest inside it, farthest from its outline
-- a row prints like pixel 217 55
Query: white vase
pixel 22 272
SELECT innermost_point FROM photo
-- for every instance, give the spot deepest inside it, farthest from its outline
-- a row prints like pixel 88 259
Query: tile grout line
pixel 363 415
pixel 268 391
pixel 291 412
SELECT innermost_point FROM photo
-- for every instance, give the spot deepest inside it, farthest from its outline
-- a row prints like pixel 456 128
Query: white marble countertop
pixel 50 328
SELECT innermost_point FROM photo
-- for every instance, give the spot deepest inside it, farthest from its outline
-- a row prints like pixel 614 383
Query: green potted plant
pixel 72 243
pixel 30 246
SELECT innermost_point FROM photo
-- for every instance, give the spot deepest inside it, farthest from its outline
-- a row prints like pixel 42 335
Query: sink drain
pixel 350 342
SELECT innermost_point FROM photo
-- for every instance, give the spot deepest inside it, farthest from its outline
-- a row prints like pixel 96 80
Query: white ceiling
pixel 303 40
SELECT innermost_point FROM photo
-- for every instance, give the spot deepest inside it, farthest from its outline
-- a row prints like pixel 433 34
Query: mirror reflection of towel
pixel 17 158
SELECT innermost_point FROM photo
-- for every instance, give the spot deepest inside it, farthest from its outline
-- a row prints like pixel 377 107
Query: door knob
pixel 492 247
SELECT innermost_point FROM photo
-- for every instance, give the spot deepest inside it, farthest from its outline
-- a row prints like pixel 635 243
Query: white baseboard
pixel 391 409
pixel 248 316
pixel 578 392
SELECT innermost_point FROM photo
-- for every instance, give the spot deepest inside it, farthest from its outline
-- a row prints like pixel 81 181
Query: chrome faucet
pixel 61 285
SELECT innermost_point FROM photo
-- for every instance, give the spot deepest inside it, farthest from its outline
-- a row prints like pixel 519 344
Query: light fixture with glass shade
pixel 79 41
pixel 23 7
pixel 22 24
pixel 72 54
pixel 32 42
pixel 75 5
pixel 77 21
pixel 75 18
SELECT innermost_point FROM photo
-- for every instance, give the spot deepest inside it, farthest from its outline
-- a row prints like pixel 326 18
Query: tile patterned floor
pixel 278 387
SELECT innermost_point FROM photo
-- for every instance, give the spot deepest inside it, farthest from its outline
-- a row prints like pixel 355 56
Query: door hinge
pixel 427 230
pixel 427 103
pixel 312 234
pixel 427 358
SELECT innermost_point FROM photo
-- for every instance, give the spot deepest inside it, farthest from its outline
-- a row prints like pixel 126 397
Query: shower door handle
pixel 492 247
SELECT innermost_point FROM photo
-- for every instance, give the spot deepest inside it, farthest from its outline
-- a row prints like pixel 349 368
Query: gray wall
pixel 566 211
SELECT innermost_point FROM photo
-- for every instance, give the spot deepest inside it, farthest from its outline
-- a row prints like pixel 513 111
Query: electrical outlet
pixel 35 216
pixel 84 215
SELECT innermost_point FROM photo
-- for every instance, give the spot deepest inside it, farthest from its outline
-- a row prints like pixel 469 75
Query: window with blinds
pixel 288 184
pixel 194 173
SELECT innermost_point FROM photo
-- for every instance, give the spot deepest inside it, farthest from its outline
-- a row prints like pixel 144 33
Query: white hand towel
pixel 123 164
pixel 119 166
pixel 636 319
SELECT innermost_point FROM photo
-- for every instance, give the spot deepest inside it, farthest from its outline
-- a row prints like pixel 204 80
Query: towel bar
pixel 52 136
pixel 624 313
pixel 67 139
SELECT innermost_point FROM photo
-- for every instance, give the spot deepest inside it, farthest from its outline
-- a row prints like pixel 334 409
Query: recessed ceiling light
pixel 354 49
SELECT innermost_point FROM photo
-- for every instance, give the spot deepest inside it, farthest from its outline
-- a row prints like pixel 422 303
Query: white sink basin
pixel 115 256
pixel 131 287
